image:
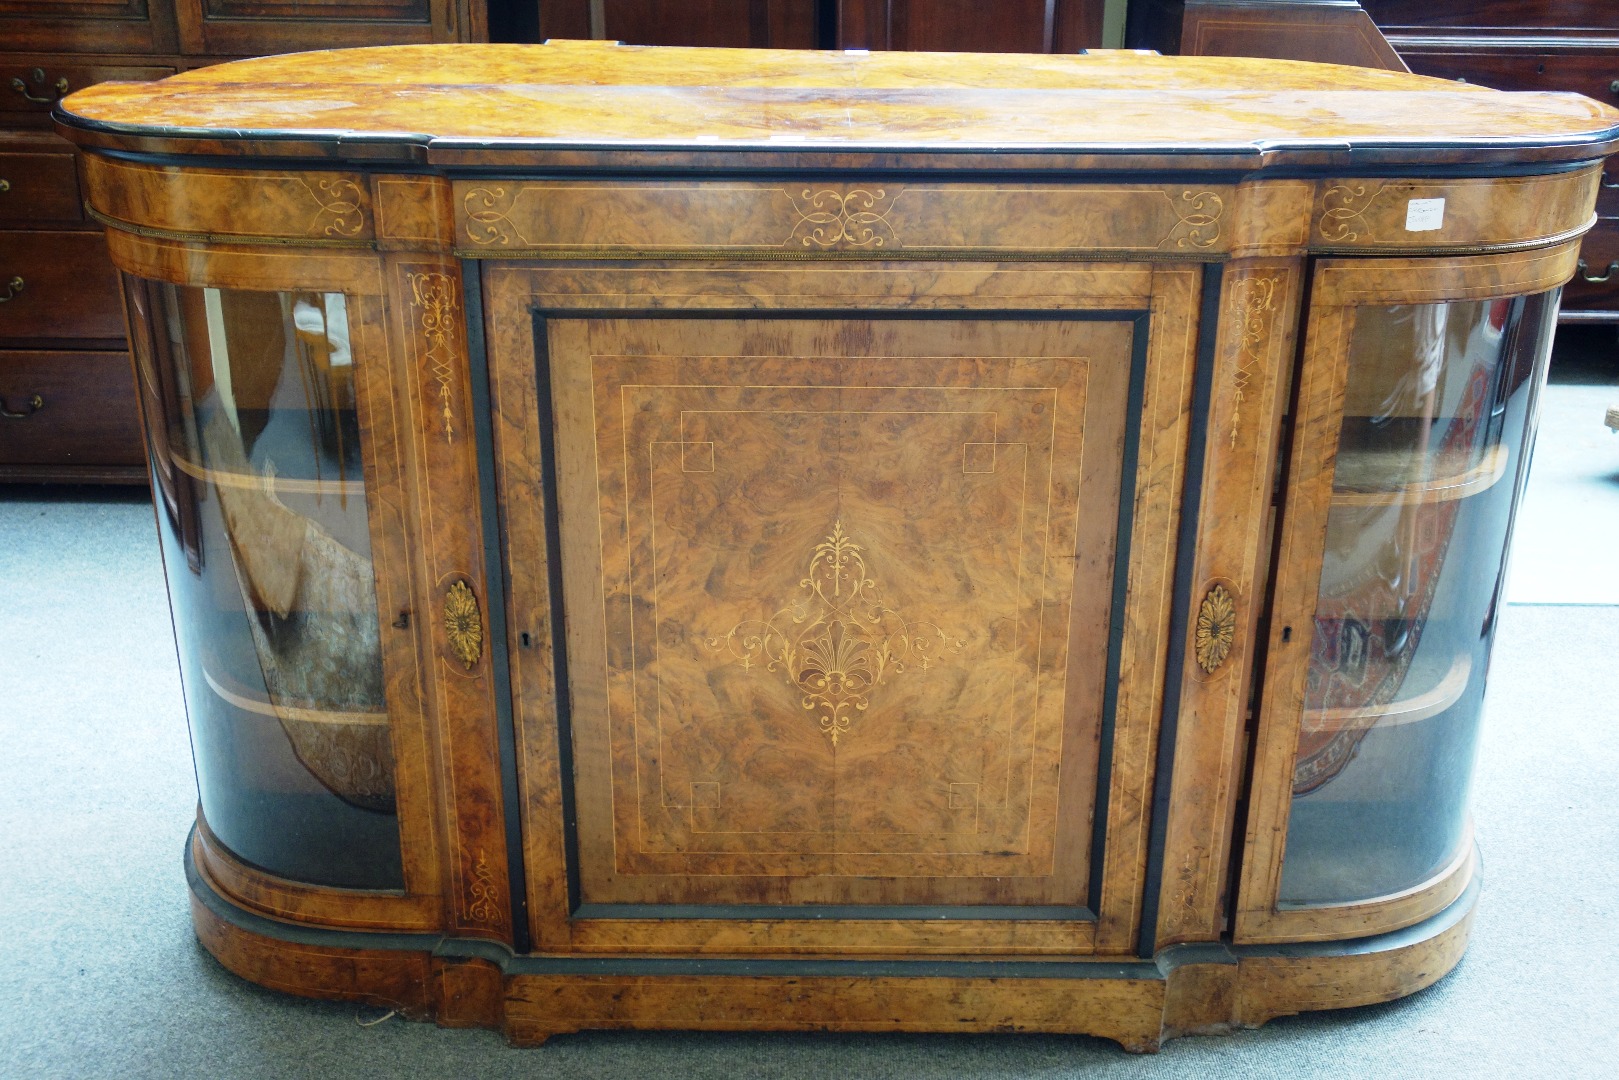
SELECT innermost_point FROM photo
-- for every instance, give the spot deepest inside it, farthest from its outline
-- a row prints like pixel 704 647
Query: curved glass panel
pixel 255 453
pixel 1436 417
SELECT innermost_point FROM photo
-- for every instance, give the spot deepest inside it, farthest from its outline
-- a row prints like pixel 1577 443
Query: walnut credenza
pixel 679 538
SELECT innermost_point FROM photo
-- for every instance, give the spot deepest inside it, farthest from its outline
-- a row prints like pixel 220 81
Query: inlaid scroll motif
pixel 851 219
pixel 489 220
pixel 1253 311
pixel 1343 212
pixel 433 303
pixel 482 893
pixel 342 207
pixel 1198 220
pixel 838 640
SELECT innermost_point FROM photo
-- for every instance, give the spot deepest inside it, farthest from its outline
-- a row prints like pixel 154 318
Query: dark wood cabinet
pixel 222 28
pixel 1526 45
pixel 61 318
pixel 1030 26
pixel 737 24
pixel 1325 31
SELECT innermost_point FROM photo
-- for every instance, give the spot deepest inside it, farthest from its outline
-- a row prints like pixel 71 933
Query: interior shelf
pixel 1386 477
pixel 281 485
pixel 297 713
pixel 1431 689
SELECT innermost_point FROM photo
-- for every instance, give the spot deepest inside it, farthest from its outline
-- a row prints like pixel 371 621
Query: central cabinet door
pixel 844 603
pixel 837 624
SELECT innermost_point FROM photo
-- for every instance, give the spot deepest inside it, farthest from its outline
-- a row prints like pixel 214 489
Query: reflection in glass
pixel 250 407
pixel 1436 415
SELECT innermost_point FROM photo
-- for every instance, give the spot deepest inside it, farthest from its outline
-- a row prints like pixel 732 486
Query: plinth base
pixel 1185 990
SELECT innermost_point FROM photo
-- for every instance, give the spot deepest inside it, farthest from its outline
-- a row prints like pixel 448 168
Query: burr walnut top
pixel 591 104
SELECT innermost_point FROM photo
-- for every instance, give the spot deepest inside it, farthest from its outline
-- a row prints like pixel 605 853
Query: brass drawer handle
pixel 13 287
pixel 1595 279
pixel 60 86
pixel 35 404
pixel 5 185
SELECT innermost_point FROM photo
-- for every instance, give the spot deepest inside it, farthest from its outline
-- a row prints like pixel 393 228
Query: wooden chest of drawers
pixel 67 404
pixel 1527 45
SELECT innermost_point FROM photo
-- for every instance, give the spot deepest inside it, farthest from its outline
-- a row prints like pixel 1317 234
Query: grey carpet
pixel 101 977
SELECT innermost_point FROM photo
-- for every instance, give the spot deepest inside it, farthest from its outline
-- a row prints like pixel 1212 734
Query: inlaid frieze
pixel 804 219
pixel 1359 213
pixel 311 209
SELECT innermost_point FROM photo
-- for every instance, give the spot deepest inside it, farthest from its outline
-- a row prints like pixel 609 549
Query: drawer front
pixel 1499 15
pixel 38 189
pixel 87 26
pixel 30 89
pixel 1584 71
pixel 58 285
pixel 253 28
pixel 1608 193
pixel 68 408
pixel 1599 255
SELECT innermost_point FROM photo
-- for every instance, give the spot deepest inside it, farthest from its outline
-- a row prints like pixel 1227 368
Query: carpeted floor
pixel 101 977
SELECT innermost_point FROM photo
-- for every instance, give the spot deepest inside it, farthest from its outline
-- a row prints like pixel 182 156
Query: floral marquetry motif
pixel 839 640
pixel 1253 307
pixel 433 302
pixel 1216 628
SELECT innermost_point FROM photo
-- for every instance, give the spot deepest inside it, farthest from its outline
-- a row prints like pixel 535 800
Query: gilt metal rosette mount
pixel 1215 630
pixel 463 624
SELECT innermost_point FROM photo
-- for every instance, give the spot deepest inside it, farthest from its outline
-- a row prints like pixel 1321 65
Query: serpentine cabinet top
pixel 590 105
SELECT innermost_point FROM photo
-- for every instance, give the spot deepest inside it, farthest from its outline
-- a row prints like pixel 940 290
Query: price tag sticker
pixel 1424 215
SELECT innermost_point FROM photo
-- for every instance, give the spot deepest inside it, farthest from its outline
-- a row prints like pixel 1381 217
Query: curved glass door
pixel 255 446
pixel 1436 415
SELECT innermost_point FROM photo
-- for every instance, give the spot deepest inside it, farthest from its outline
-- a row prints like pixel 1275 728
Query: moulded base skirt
pixel 1184 990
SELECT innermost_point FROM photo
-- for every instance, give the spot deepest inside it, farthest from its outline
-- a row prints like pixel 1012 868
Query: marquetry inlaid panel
pixel 310 209
pixel 838 596
pixel 1360 213
pixel 796 218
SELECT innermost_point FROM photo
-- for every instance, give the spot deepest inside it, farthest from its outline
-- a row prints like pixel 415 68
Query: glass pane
pixel 249 398
pixel 1436 415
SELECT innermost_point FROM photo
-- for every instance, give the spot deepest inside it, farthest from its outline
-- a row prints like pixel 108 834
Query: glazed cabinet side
pixel 309 423
pixel 1415 413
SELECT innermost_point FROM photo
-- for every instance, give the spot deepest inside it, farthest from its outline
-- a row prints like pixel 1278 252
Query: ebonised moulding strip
pixel 1185 557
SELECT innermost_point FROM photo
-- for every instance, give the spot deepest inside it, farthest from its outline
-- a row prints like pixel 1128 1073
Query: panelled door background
pixel 839 593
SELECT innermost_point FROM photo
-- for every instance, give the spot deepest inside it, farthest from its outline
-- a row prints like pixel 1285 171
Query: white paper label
pixel 1424 215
